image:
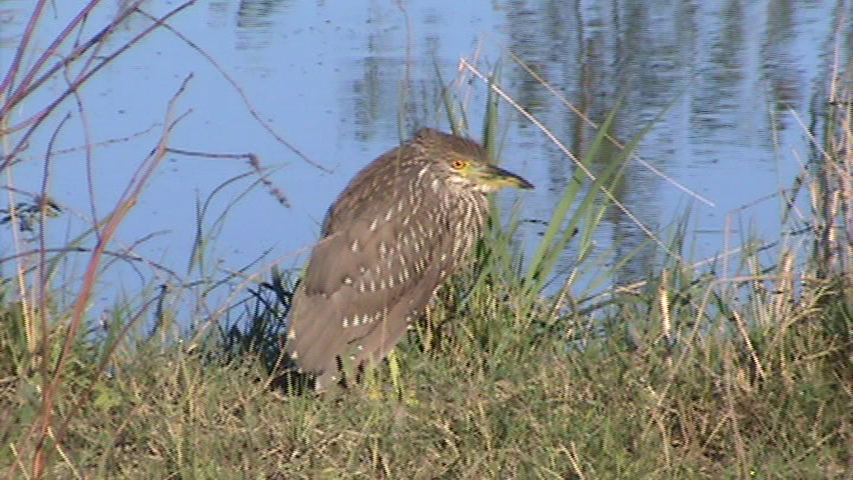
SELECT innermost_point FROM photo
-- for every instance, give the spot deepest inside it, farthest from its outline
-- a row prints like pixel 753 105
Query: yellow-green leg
pixel 407 397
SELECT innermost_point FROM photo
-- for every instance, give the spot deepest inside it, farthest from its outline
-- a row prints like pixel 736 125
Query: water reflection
pixel 725 74
pixel 344 81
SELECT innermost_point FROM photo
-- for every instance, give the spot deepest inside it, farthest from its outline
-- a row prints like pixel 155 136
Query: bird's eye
pixel 459 164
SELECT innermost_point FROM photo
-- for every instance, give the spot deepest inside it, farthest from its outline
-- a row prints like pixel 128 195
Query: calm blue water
pixel 735 85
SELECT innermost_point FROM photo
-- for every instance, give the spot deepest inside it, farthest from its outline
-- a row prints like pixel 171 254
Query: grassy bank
pixel 772 401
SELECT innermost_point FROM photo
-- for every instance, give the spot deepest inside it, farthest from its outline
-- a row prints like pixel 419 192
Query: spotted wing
pixel 362 285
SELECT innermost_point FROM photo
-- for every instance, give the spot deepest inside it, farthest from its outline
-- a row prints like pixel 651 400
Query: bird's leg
pixel 394 367
pixel 405 396
pixel 348 367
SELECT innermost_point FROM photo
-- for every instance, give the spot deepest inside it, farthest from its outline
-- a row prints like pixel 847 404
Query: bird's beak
pixel 497 177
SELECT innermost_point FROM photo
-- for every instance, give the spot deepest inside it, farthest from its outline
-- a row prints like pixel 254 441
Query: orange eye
pixel 459 164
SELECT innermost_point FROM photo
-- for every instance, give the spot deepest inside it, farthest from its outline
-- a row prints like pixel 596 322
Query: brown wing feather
pixel 387 245
pixel 370 277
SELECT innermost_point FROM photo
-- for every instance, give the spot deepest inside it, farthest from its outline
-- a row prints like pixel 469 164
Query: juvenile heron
pixel 399 229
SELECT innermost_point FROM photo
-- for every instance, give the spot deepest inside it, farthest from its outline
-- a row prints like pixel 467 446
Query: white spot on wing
pixel 423 172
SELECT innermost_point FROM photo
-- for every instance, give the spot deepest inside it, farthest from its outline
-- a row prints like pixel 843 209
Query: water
pixel 735 84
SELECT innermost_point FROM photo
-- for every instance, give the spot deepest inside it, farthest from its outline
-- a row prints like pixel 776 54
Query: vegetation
pixel 698 372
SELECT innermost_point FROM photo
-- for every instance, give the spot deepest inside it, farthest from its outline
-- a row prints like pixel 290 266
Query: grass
pixel 690 374
pixel 623 406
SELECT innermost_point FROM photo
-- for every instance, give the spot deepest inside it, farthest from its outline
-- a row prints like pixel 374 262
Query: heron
pixel 402 226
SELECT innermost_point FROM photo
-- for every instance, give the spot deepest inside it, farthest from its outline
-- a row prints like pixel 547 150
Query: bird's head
pixel 480 175
pixel 465 163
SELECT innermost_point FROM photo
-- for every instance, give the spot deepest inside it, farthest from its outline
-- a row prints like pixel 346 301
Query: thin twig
pixel 463 63
pixel 253 161
pixel 34 121
pixel 249 105
pixel 125 204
